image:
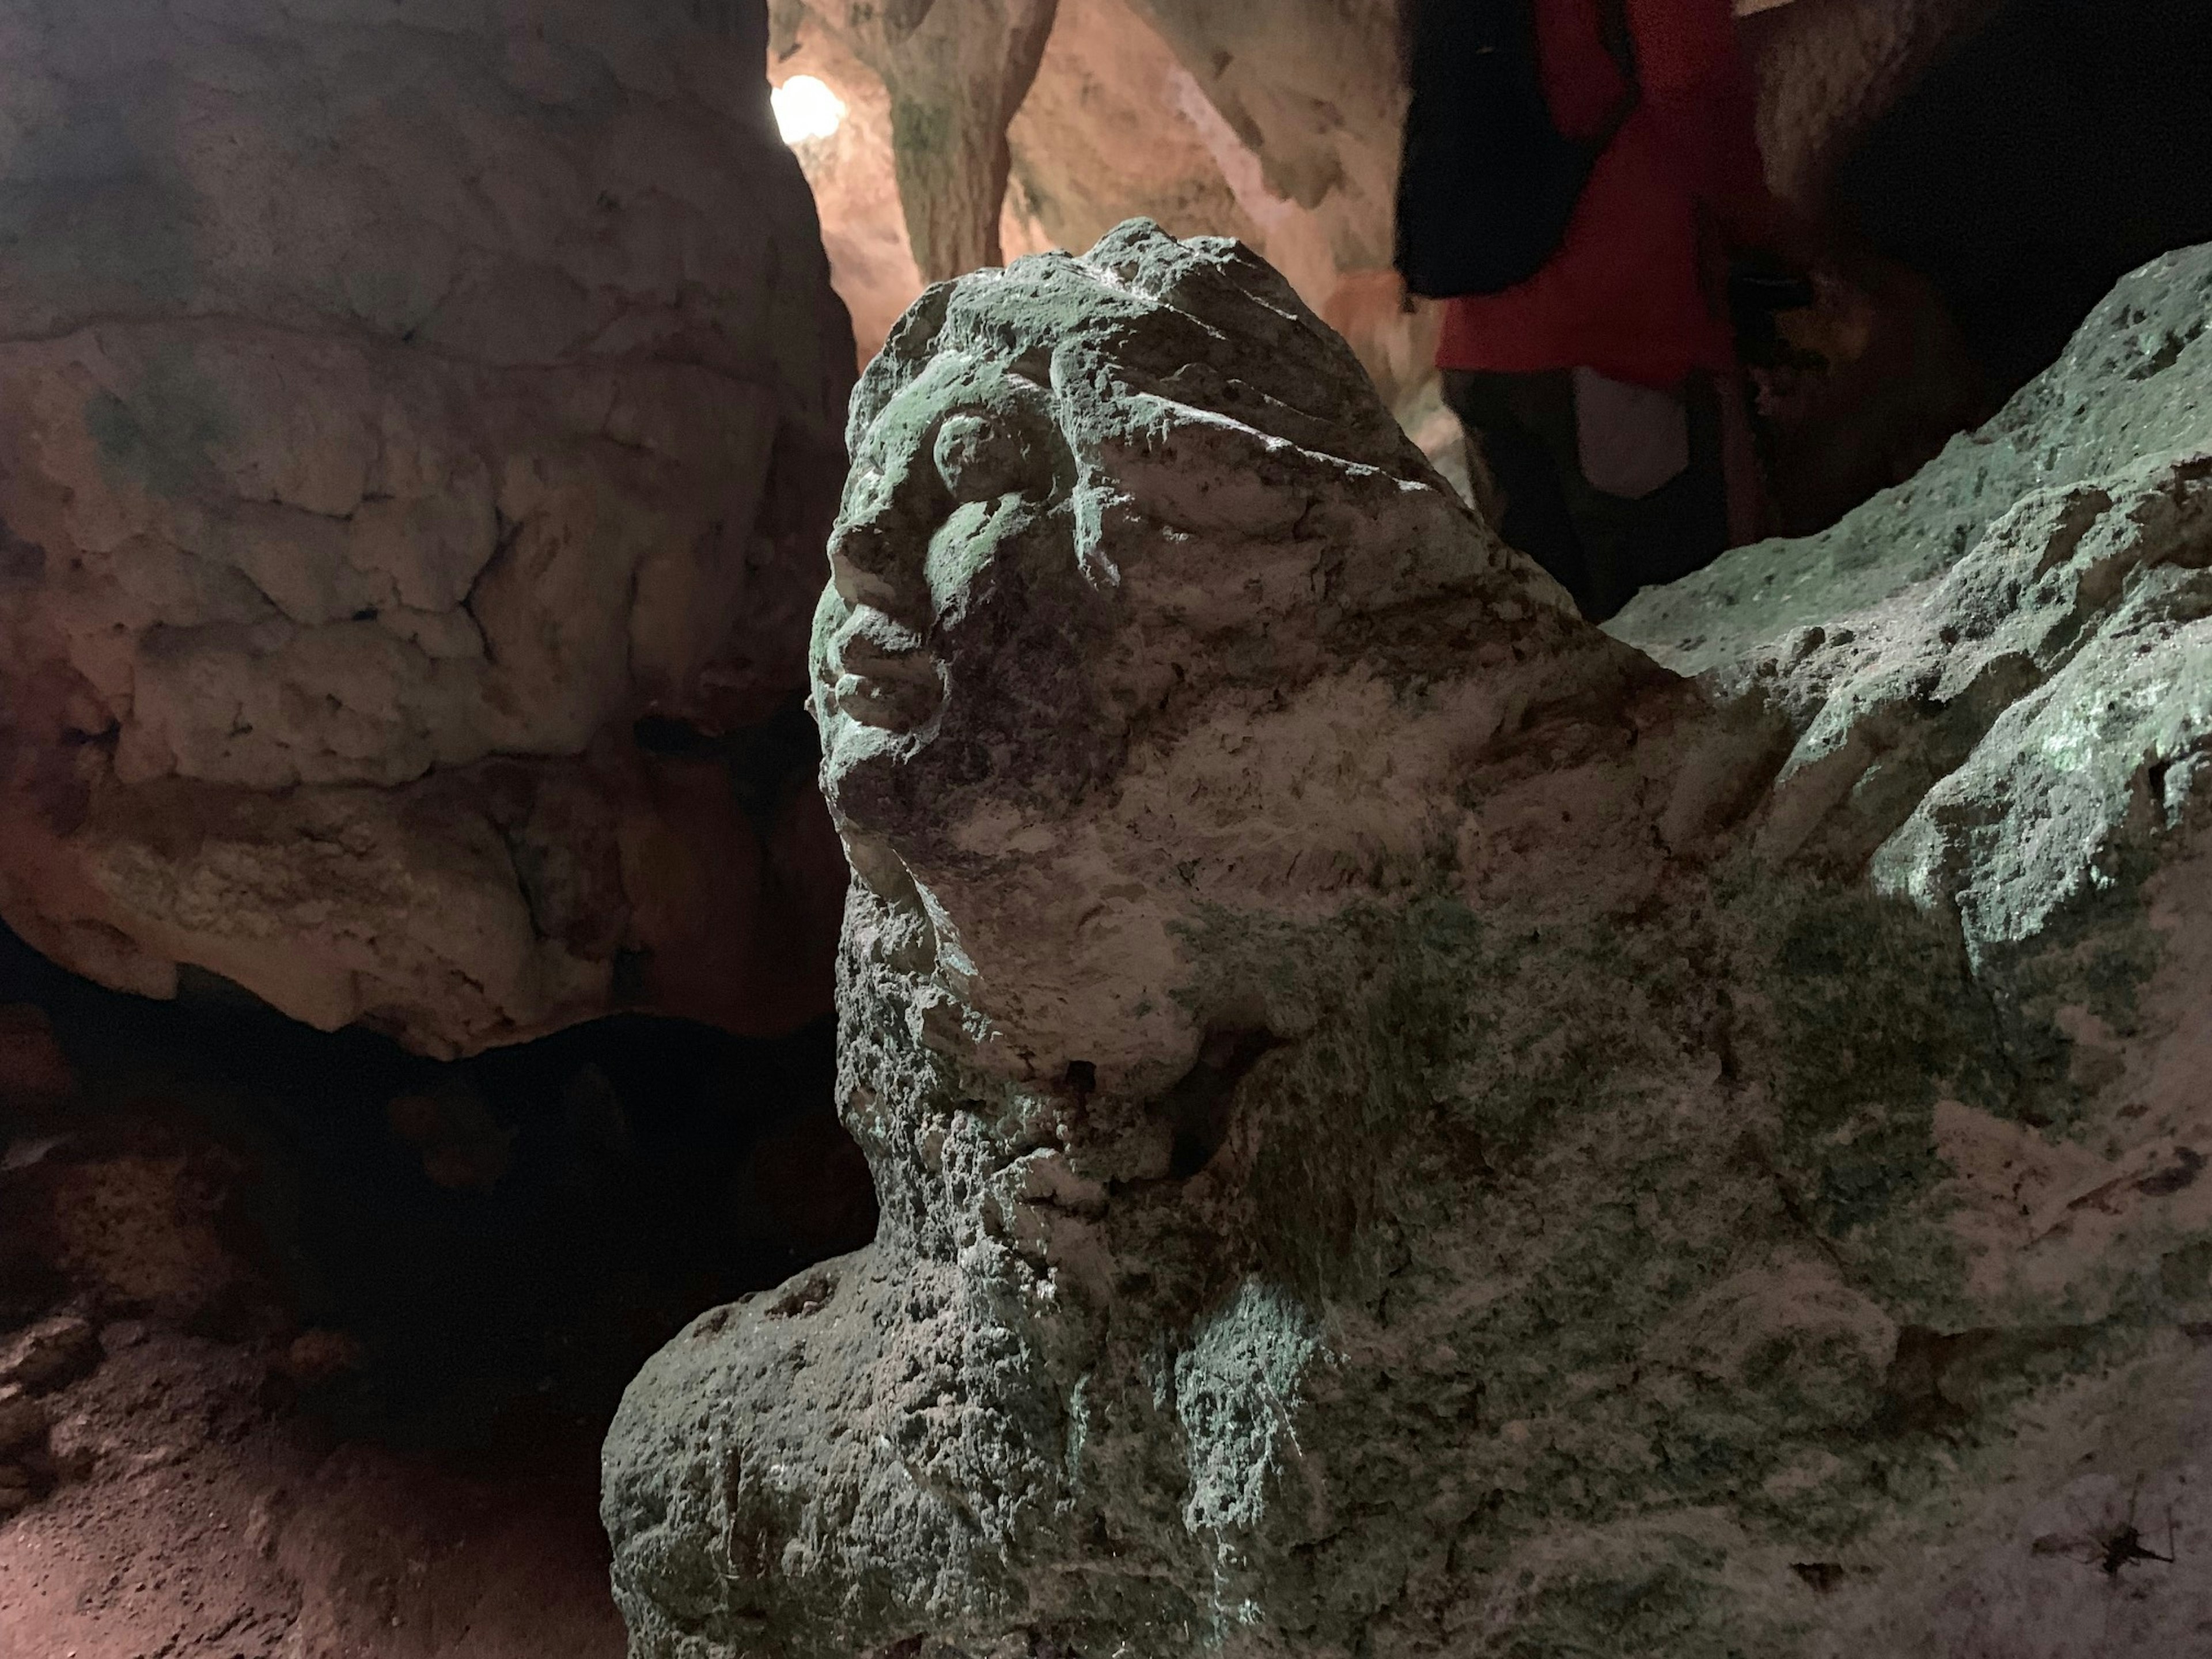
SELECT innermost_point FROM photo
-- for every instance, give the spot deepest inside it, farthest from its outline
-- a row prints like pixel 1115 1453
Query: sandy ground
pixel 307 1347
pixel 198 1513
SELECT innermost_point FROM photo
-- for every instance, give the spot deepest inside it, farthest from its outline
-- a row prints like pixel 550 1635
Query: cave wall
pixel 954 76
pixel 1279 126
pixel 1829 69
pixel 1135 112
pixel 402 403
pixel 1313 91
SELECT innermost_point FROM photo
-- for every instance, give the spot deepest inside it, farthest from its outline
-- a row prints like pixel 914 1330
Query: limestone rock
pixel 854 179
pixel 2134 388
pixel 184 1504
pixel 956 75
pixel 23 1422
pixel 1115 127
pixel 1313 87
pixel 1828 70
pixel 1404 1126
pixel 49 1353
pixel 404 401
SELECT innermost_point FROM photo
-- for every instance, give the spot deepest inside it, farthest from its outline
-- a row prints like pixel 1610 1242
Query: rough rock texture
pixel 191 1518
pixel 1404 1127
pixel 956 75
pixel 1115 127
pixel 402 401
pixel 1312 87
pixel 1829 69
pixel 289 1372
pixel 855 185
pixel 2134 388
pixel 853 174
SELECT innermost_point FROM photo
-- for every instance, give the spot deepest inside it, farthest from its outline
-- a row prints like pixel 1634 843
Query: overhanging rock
pixel 402 401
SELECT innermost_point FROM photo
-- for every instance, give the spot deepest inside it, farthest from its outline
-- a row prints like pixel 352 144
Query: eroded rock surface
pixel 955 75
pixel 402 401
pixel 2130 400
pixel 1404 1127
pixel 1829 69
pixel 307 1345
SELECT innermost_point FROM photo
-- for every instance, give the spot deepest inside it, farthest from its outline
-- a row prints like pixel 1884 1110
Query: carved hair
pixel 1139 317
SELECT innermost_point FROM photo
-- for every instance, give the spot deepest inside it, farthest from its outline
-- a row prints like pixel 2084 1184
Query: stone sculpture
pixel 402 400
pixel 1404 1126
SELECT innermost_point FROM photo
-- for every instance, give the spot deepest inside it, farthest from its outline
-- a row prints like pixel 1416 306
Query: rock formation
pixel 2129 392
pixel 1313 89
pixel 307 1344
pixel 1829 69
pixel 1279 126
pixel 956 75
pixel 402 402
pixel 2053 152
pixel 855 185
pixel 1115 128
pixel 1405 1126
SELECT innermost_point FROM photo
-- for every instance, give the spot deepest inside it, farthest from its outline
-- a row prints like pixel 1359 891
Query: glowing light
pixel 805 109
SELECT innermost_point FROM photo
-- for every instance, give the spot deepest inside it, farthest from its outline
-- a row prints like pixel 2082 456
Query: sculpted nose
pixel 877 538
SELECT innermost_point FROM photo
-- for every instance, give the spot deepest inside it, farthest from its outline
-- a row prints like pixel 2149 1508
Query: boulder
pixel 406 402
pixel 1405 1124
pixel 1829 69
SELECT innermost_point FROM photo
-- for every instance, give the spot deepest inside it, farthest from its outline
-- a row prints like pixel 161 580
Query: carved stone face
pixel 1096 505
pixel 956 718
pixel 960 484
pixel 942 657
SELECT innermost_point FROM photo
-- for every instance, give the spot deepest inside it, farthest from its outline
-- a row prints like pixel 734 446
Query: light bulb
pixel 805 109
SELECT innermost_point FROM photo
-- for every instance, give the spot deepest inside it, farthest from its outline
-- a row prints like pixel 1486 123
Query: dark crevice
pixel 491 1248
pixel 2059 148
pixel 1197 1109
pixel 763 760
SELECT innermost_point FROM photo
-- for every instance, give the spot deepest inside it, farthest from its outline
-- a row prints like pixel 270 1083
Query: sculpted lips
pixel 884 676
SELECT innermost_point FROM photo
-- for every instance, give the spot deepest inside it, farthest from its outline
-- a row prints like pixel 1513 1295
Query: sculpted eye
pixel 979 459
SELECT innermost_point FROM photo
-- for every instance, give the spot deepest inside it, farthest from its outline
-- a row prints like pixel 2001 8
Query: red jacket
pixel 1632 292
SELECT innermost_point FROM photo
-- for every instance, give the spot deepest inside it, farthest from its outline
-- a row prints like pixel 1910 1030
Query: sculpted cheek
pixel 970 546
